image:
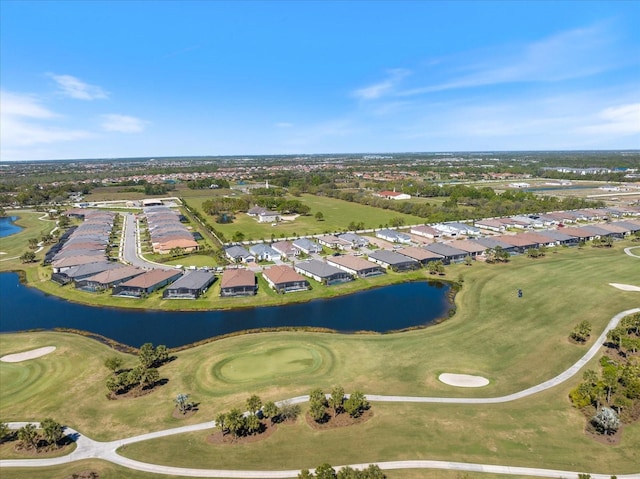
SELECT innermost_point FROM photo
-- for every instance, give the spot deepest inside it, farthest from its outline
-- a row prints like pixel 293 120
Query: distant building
pixel 393 195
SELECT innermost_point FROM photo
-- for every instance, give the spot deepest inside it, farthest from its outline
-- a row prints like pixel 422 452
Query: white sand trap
pixel 463 380
pixel 3 252
pixel 625 287
pixel 34 353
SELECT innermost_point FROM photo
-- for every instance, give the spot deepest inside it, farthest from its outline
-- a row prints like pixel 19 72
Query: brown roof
pixel 111 275
pixel 469 246
pixel 418 254
pixel 282 274
pixel 150 278
pixel 351 262
pixel 536 238
pixel 519 240
pixel 84 245
pixel 492 223
pixel 178 243
pixel 613 228
pixel 232 278
pixel 577 232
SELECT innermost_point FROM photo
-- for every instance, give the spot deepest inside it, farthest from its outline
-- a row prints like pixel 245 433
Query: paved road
pixel 88 448
pixel 130 250
pixel 628 251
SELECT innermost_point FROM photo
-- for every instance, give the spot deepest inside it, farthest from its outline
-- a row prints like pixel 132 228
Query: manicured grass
pixel 491 335
pixel 337 216
pixel 543 431
pixel 16 244
pixel 8 451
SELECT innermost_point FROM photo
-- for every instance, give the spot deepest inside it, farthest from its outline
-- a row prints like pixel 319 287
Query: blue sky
pixel 127 79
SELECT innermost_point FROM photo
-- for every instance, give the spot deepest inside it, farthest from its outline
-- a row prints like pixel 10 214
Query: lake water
pixel 383 309
pixel 7 226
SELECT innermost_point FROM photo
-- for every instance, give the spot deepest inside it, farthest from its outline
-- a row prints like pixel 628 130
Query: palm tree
pixel 52 431
pixel 28 436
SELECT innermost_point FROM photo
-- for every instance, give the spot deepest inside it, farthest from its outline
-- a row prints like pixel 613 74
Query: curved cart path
pixel 628 251
pixel 88 448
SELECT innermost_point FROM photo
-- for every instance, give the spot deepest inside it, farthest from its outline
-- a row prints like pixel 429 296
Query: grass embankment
pixel 515 342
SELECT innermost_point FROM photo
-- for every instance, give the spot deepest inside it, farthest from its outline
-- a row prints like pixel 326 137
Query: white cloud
pixel 570 54
pixel 26 122
pixel 284 124
pixel 615 120
pixel 385 87
pixel 123 123
pixel 74 88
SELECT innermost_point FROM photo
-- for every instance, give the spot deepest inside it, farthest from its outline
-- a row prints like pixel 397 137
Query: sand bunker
pixel 34 353
pixel 463 380
pixel 625 287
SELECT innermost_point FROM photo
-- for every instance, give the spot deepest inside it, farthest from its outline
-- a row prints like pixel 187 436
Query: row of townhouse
pixel 167 231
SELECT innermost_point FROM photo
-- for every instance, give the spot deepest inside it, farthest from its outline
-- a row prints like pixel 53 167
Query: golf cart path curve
pixel 88 448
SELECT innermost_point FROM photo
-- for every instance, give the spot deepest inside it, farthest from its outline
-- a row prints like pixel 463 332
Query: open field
pixel 494 334
pixel 337 216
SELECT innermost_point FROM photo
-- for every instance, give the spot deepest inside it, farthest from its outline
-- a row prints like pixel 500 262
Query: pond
pixel 381 310
pixel 8 227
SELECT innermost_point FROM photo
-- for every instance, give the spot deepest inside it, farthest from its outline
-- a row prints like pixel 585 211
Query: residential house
pixel 286 249
pixel 264 252
pixel 191 285
pixel 284 279
pixel 450 254
pixel 559 238
pixel 492 225
pixel 426 231
pixel 238 254
pixel 322 272
pixel 355 266
pixel 147 283
pixel 356 241
pixel 238 282
pixel 421 255
pixel 393 236
pixel 108 279
pixel 307 246
pixel 392 260
pixel 333 242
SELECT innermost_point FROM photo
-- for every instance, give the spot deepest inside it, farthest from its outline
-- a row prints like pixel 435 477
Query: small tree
pixel 325 471
pixel 114 363
pixel 254 403
pixel 468 261
pixel 235 422
pixel 581 332
pixel 182 403
pixel 146 355
pixel 606 421
pixel 52 431
pixel 288 411
pixel 356 404
pixel 319 216
pixel 222 423
pixel 28 257
pixel 271 410
pixel 252 424
pixel 4 431
pixel 28 436
pixel 337 399
pixel 318 411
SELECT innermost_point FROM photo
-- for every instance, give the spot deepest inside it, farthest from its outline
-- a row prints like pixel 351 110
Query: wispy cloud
pixel 571 54
pixel 284 124
pixel 25 121
pixel 615 120
pixel 74 88
pixel 123 123
pixel 385 87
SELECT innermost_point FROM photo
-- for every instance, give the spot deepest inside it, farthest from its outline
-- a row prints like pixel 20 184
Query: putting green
pixel 269 363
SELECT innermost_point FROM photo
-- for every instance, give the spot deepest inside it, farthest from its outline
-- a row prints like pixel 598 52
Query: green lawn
pixel 337 216
pixel 16 244
pixel 494 334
